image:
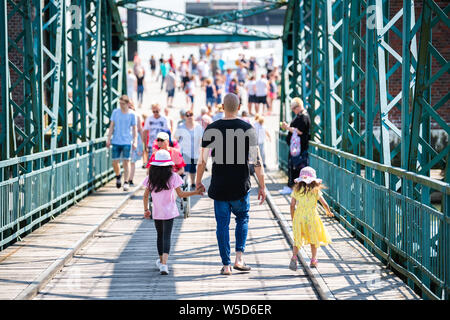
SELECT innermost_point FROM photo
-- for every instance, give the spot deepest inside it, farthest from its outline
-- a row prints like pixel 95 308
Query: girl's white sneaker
pixel 163 269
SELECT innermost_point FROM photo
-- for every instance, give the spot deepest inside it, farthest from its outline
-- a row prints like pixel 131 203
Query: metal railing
pixel 407 235
pixel 37 187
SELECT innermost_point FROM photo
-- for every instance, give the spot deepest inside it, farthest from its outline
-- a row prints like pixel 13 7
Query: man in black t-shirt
pixel 234 146
pixel 301 123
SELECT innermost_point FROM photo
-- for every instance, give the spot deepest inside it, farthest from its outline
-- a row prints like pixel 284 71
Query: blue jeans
pixel 210 101
pixel 140 93
pixel 223 211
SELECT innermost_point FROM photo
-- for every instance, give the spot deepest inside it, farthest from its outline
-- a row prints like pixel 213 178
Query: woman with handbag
pixel 298 129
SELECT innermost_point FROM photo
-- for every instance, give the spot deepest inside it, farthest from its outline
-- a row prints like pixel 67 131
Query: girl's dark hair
pixel 305 188
pixel 158 178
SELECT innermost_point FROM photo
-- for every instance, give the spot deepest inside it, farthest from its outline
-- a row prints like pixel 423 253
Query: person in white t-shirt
pixel 153 125
pixel 261 90
pixel 190 92
pixel 189 136
pixel 261 133
pixel 204 119
pixel 251 93
pixel 131 84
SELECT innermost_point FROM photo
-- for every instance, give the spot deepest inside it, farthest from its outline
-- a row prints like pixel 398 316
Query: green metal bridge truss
pixel 63 69
pixel 339 58
pixel 61 73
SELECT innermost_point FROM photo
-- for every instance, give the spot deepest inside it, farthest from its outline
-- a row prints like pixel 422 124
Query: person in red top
pixel 163 143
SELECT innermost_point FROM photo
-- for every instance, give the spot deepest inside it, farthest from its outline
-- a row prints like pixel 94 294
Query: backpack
pixel 295 147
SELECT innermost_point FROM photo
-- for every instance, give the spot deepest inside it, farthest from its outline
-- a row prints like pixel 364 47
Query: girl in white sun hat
pixel 307 226
pixel 161 183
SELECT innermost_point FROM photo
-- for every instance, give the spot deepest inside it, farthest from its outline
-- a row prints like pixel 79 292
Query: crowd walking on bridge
pixel 171 154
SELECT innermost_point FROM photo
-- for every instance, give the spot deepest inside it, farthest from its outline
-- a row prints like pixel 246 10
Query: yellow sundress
pixel 307 225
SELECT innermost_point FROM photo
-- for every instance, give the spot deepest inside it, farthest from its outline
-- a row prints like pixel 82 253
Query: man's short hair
pixel 230 102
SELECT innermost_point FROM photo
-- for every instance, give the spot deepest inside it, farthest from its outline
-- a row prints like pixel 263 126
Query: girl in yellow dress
pixel 306 224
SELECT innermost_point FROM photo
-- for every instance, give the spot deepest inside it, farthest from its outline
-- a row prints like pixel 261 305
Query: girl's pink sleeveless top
pixel 164 202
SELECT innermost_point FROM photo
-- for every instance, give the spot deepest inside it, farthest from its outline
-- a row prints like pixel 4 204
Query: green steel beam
pixel 24 95
pixel 319 79
pixel 54 99
pixel 115 17
pixel 287 62
pixel 63 114
pixel 335 57
pixel 200 22
pixel 346 90
pixel 190 21
pixel 7 136
pixel 202 38
pixel 353 77
pixel 423 110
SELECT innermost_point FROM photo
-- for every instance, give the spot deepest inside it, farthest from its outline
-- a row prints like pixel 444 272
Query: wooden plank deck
pixel 22 263
pixel 348 268
pixel 119 263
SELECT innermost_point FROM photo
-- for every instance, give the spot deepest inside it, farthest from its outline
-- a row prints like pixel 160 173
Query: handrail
pixel 43 154
pixel 410 236
pixel 414 177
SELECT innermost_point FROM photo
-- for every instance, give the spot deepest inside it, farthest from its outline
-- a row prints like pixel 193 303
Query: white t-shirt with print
pixel 155 126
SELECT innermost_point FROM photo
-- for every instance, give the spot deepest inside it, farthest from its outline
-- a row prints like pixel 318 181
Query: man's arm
pixel 134 144
pixel 110 132
pixel 201 165
pixel 255 159
pixel 146 130
pixel 259 171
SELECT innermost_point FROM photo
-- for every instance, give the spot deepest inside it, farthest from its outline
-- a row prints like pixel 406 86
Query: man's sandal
pixel 243 267
pixel 225 273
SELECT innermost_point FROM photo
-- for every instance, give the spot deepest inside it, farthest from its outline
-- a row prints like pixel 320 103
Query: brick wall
pixel 441 41
pixel 15 27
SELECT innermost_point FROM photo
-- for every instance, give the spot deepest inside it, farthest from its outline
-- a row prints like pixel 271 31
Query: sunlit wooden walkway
pixel 118 262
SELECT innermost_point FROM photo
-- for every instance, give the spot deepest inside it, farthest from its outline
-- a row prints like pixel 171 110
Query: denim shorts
pixel 210 101
pixel 191 164
pixel 121 152
pixel 135 156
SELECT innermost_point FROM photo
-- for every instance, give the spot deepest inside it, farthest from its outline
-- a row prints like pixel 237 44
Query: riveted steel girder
pixel 190 21
pixel 50 71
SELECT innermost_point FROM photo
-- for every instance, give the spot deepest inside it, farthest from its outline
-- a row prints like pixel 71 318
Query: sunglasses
pixel 160 140
pixel 156 111
pixel 189 115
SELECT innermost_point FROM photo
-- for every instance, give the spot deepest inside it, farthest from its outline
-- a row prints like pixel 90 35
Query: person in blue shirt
pixel 164 69
pixel 122 136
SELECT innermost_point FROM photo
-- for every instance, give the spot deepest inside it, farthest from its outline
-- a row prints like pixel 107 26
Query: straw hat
pixel 307 175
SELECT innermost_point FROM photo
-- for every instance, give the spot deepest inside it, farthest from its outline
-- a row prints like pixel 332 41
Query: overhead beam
pixel 202 38
pixel 190 21
pixel 218 19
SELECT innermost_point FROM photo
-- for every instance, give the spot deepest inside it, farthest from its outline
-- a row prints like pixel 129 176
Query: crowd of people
pixel 256 86
pixel 170 150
